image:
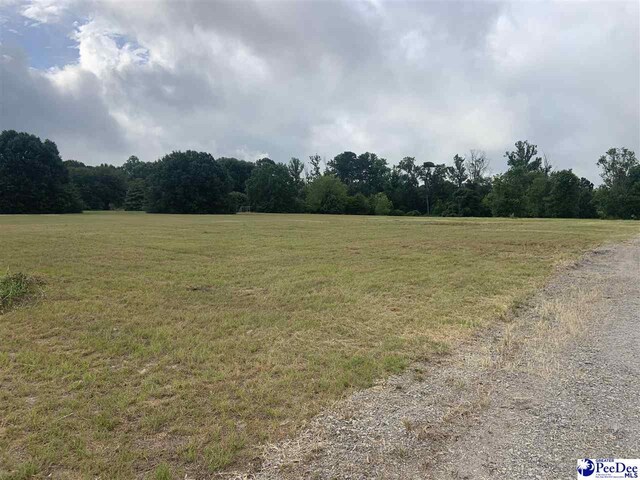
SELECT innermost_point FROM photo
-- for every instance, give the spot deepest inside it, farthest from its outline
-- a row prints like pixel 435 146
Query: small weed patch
pixel 16 288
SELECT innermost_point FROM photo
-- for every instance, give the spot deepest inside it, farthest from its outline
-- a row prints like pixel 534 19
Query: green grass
pixel 167 345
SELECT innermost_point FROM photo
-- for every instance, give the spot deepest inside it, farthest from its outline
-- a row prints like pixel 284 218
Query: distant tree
pixel 586 203
pixel 134 169
pixel 271 189
pixel 470 187
pixel 535 195
pixel 506 197
pixel 380 204
pixel 264 161
pixel 477 166
pixel 468 200
pixel 296 167
pixel 365 173
pixel 188 182
pixel 458 173
pixel 136 174
pixel 327 194
pixel 345 167
pixel 315 162
pixel 357 204
pixel 523 157
pixel 619 196
pixel 73 163
pixel 238 171
pixel 136 195
pixel 377 173
pixel 616 165
pixel 521 191
pixel 237 200
pixel 563 199
pixel 33 178
pixel 403 185
pixel 427 176
pixel 437 189
pixel 101 188
pixel 397 188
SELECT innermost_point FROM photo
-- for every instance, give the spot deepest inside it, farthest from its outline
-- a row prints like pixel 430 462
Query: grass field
pixel 164 345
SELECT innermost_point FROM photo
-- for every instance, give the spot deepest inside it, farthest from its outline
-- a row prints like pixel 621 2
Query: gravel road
pixel 557 381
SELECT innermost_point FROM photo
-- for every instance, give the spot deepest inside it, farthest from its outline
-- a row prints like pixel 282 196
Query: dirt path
pixel 556 382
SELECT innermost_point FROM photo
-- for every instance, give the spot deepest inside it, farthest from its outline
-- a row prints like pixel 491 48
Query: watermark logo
pixel 586 467
pixel 609 468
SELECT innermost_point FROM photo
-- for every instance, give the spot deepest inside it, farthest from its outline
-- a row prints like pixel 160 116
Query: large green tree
pixel 327 194
pixel 403 186
pixel 296 168
pixel 563 199
pixel 272 189
pixel 457 174
pixel 365 173
pixel 522 189
pixel 135 199
pixel 586 200
pixel 101 188
pixel 134 168
pixel 380 204
pixel 619 196
pixel 33 178
pixel 315 161
pixel 239 172
pixel 524 156
pixel 188 182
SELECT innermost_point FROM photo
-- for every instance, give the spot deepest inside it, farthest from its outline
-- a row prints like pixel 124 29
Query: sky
pixel 110 79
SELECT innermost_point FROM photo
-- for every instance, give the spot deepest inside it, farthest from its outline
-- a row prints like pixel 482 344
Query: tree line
pixel 34 179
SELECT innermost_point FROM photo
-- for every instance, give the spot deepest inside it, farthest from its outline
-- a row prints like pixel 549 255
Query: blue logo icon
pixel 586 467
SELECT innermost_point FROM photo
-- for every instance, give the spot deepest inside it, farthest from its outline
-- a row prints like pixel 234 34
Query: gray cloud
pixel 428 79
pixel 77 120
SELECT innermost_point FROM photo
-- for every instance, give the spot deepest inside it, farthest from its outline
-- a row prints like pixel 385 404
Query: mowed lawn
pixel 172 344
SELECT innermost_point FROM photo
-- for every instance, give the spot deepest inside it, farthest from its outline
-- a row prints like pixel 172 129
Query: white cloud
pixel 427 79
pixel 45 11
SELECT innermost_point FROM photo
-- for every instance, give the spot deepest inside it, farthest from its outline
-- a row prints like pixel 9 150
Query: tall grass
pixel 16 288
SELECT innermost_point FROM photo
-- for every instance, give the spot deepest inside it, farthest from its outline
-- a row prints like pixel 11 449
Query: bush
pixel 396 213
pixel 413 213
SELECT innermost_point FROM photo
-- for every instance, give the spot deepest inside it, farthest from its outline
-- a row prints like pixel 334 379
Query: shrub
pixel 413 213
pixel 396 213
